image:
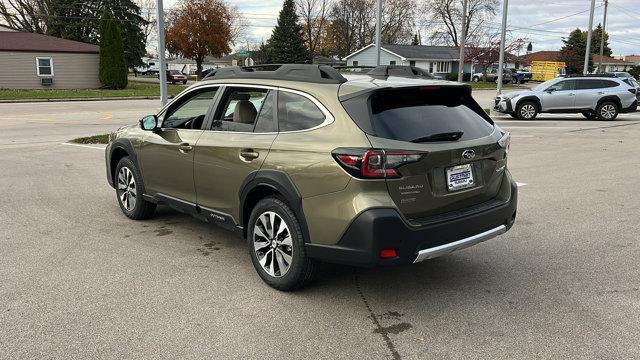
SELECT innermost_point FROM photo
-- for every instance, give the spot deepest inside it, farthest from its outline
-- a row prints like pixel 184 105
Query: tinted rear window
pixel 409 114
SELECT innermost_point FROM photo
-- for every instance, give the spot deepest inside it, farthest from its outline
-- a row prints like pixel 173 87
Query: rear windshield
pixel 414 113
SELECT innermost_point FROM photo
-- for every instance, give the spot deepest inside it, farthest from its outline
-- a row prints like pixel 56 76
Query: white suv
pixel 595 96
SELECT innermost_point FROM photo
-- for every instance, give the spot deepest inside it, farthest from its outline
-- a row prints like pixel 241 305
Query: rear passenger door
pixel 233 145
pixel 588 91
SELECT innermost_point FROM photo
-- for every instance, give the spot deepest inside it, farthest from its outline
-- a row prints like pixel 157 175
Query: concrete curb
pixel 8 101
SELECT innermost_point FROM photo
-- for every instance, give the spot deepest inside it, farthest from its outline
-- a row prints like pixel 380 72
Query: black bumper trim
pixel 384 228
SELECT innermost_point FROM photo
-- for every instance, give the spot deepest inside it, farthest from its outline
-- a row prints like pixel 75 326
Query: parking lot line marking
pixel 84 146
pixel 520 184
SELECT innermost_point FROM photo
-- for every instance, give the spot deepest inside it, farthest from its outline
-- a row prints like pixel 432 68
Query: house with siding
pixel 439 60
pixel 36 61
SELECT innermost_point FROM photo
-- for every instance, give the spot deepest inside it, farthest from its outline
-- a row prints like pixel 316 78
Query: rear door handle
pixel 249 154
pixel 185 148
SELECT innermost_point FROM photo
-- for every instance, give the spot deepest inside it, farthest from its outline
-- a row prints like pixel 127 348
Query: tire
pixel 287 243
pixel 184 82
pixel 589 115
pixel 607 111
pixel 476 79
pixel 129 190
pixel 527 110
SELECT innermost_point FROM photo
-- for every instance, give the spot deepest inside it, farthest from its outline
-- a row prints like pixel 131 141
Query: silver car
pixel 602 97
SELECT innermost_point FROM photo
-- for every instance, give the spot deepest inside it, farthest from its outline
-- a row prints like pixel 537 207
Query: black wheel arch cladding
pixel 262 183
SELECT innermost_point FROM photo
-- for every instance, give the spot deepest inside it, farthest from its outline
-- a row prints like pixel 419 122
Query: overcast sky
pixel 525 18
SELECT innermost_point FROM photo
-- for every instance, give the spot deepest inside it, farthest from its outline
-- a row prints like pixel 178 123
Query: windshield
pixel 175 72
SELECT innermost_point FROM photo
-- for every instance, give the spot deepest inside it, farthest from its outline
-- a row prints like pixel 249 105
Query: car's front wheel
pixel 276 245
pixel 607 111
pixel 527 110
pixel 129 189
pixel 476 79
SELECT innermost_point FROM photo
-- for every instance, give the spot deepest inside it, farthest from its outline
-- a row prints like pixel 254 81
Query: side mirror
pixel 550 90
pixel 149 123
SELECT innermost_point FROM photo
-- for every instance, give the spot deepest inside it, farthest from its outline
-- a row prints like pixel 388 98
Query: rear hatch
pixel 445 151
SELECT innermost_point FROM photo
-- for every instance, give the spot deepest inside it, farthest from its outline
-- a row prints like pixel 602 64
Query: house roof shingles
pixel 31 42
pixel 424 51
pixel 610 60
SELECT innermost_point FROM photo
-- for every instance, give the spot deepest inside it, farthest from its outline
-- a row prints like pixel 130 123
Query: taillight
pixel 632 90
pixel 374 163
pixel 505 142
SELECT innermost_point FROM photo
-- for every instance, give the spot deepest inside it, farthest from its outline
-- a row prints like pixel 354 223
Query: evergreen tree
pixel 572 53
pixel 73 20
pixel 415 40
pixel 286 44
pixel 530 47
pixel 113 67
pixel 596 37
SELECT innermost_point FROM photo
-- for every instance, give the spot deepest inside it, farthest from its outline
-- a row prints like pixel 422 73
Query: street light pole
pixel 505 7
pixel 587 52
pixel 162 70
pixel 463 39
pixel 378 24
pixel 604 27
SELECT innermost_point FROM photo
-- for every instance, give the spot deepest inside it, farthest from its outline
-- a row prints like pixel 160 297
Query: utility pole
pixel 162 74
pixel 463 40
pixel 587 52
pixel 604 27
pixel 378 25
pixel 505 7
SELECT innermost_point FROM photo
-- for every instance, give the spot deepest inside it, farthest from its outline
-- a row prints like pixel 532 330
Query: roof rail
pixel 313 73
pixel 384 71
pixel 604 75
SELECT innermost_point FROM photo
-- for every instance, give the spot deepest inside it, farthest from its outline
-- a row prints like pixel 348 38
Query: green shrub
pixel 113 67
pixel 452 76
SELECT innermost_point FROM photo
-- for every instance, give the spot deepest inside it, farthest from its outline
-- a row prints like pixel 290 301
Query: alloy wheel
pixel 608 111
pixel 272 244
pixel 127 191
pixel 527 111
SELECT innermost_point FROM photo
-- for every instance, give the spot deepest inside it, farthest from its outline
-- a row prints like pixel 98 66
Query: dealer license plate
pixel 459 177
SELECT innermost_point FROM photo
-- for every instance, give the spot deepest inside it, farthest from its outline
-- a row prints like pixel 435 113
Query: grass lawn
pixel 491 85
pixel 135 88
pixel 95 139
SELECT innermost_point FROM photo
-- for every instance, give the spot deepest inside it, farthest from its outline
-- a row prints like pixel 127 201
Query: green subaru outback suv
pixel 308 166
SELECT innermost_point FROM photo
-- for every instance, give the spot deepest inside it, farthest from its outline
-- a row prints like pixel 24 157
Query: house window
pixel 431 67
pixel 355 63
pixel 392 62
pixel 412 63
pixel 442 66
pixel 44 66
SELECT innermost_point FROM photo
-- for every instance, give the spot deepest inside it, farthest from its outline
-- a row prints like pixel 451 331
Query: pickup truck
pixel 492 76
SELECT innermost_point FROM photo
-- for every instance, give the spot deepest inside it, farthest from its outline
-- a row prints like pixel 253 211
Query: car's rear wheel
pixel 527 110
pixel 129 189
pixel 608 110
pixel 589 115
pixel 276 245
pixel 476 79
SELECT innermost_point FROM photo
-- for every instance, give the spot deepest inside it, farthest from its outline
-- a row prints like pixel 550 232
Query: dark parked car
pixel 175 76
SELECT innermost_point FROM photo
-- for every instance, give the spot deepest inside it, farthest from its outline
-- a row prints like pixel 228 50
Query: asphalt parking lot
pixel 80 280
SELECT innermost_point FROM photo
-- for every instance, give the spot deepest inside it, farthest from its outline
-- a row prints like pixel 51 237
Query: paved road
pixel 79 280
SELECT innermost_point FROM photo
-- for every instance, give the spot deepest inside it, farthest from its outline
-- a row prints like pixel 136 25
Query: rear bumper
pixel 377 229
pixel 633 107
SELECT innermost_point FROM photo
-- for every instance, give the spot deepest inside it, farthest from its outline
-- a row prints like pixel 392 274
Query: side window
pixel 238 109
pixel 392 62
pixel 588 84
pixel 266 121
pixel 355 63
pixel 563 85
pixel 44 66
pixel 189 113
pixel 608 83
pixel 297 112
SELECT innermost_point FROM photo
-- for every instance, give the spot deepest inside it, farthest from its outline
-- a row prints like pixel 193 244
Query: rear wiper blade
pixel 446 136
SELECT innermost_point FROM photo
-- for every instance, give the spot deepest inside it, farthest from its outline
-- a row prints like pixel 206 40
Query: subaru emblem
pixel 468 154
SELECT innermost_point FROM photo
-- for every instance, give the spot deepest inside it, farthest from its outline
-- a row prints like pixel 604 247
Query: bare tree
pixel 313 14
pixel 148 13
pixel 26 15
pixel 352 23
pixel 445 17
